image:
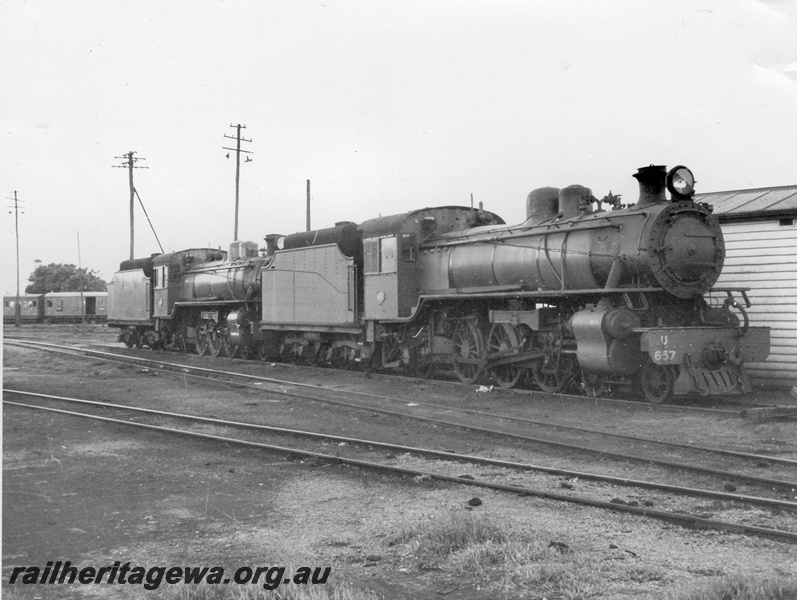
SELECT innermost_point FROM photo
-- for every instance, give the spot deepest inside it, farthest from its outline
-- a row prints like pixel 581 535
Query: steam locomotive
pixel 584 294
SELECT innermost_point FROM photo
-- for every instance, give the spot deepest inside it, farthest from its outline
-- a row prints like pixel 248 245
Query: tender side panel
pixel 129 297
pixel 312 285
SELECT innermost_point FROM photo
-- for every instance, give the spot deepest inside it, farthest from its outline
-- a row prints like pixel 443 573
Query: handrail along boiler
pixel 575 296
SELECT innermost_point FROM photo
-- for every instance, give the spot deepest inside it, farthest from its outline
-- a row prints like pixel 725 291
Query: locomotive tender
pixel 574 297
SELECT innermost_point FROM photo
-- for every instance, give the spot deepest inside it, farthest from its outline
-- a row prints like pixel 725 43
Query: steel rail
pixel 721 451
pixel 185 370
pixel 557 395
pixel 681 519
pixel 622 481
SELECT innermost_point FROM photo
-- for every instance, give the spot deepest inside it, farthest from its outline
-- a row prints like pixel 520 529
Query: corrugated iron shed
pixel 748 205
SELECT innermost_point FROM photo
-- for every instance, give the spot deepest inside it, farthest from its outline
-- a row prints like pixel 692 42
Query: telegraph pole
pixel 308 205
pixel 82 285
pixel 129 164
pixel 17 307
pixel 237 151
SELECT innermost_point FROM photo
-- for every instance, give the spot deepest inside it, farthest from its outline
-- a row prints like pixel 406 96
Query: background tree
pixel 63 278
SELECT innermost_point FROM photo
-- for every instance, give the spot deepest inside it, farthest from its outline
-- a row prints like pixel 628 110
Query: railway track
pixel 726 407
pixel 416 450
pixel 368 402
pixel 490 480
pixel 740 409
pixel 289 387
pixel 647 451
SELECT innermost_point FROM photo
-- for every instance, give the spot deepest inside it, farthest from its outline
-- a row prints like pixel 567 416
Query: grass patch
pixel 519 565
pixel 449 534
pixel 505 561
pixel 738 587
pixel 206 591
pixel 256 592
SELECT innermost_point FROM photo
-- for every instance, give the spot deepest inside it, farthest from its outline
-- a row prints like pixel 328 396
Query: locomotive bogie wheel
pixel 201 344
pixel 317 353
pixel 657 382
pixel 262 351
pixel 545 377
pixel 502 337
pixel 230 349
pixel 344 357
pixel 594 385
pixel 421 365
pixel 299 353
pixel 294 352
pixel 313 352
pixel 373 360
pixel 468 344
pixel 131 339
pixel 214 342
pixel 349 357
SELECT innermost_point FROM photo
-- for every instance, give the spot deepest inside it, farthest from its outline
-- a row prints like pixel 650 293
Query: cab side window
pixel 380 255
pixel 408 247
pixel 387 254
pixel 160 277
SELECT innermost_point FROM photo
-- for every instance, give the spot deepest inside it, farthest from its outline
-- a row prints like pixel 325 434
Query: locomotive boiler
pixel 566 245
pixel 584 294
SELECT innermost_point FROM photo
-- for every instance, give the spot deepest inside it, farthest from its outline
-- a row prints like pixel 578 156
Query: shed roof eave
pixel 757 216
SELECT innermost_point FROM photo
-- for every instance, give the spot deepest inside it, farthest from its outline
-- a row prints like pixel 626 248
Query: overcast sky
pixel 384 106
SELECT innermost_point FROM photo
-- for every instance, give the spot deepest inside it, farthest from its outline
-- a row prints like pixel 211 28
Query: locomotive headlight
pixel 681 182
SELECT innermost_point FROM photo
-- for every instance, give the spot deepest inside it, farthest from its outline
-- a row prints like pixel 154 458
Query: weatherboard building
pixel 760 229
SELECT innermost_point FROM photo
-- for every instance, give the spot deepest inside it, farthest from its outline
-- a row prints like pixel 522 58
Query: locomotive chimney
pixel 271 243
pixel 651 185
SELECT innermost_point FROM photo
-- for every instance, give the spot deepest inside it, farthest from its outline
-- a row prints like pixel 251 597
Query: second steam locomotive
pixel 576 296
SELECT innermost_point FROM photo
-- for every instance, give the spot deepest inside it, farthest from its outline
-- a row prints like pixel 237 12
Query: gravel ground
pixel 95 493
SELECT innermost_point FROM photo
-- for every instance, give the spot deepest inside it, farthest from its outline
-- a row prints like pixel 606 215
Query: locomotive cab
pixel 390 256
